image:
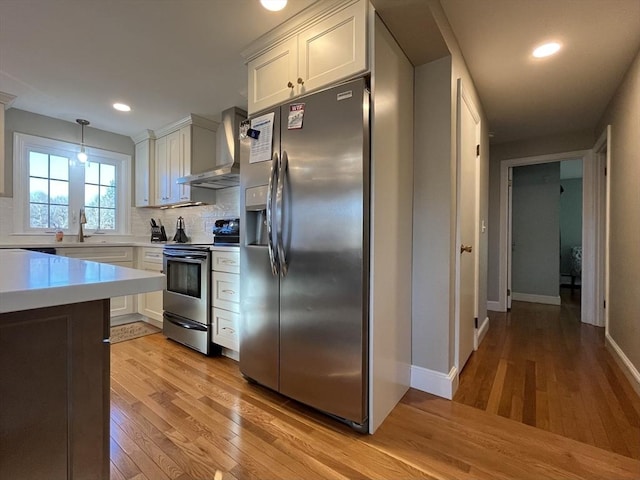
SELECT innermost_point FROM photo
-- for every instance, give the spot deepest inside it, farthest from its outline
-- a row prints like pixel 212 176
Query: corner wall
pixel 435 198
pixel 623 114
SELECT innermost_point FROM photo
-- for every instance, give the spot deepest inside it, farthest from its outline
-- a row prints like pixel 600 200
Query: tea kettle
pixel 180 236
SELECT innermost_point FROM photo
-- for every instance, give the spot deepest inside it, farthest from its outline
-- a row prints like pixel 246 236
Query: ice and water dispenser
pixel 256 215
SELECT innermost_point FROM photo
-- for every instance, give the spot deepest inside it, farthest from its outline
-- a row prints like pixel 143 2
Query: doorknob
pixel 466 248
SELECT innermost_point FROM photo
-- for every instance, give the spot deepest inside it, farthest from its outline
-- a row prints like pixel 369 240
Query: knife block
pixel 158 234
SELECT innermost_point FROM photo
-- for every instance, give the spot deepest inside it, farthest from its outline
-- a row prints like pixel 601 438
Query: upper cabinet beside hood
pixel 191 147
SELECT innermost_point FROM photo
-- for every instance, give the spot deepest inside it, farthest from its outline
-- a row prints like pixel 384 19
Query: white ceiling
pixel 72 59
pixel 525 97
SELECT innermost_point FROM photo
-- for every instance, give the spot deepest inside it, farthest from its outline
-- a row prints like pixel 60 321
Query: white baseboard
pixel 153 322
pixel 494 306
pixel 529 297
pixel 437 383
pixel 623 361
pixel 480 333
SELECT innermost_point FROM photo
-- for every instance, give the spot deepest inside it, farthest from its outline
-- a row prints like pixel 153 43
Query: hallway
pixel 540 366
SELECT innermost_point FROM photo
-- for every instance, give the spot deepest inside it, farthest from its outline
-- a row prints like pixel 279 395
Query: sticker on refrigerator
pixel 296 115
pixel 261 132
pixel 244 128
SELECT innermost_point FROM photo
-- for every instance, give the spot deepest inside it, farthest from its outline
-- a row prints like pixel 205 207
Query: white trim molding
pixel 530 297
pixel 480 333
pixel 495 306
pixel 622 360
pixel 590 219
pixel 436 383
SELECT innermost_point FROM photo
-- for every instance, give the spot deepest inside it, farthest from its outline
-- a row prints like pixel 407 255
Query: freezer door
pixel 259 287
pixel 323 215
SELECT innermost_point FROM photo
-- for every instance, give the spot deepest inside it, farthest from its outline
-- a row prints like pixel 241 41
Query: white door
pixel 467 220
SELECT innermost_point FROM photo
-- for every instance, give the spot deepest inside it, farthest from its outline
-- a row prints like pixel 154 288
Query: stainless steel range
pixel 187 296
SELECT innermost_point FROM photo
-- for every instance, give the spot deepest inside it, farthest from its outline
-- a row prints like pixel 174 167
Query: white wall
pixel 623 114
pixel 434 206
pixel 567 142
pixel 536 230
pixel 431 216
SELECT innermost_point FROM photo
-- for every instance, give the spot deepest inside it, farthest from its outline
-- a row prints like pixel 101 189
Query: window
pixel 51 187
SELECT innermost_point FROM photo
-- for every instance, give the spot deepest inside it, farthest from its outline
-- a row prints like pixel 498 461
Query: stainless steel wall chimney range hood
pixel 226 173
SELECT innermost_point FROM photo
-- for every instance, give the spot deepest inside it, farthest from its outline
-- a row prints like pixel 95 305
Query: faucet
pixel 82 219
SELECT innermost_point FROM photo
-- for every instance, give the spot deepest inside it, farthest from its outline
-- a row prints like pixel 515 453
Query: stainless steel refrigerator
pixel 304 252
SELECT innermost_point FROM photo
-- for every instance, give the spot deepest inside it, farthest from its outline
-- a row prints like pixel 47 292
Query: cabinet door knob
pixel 290 85
pixel 300 81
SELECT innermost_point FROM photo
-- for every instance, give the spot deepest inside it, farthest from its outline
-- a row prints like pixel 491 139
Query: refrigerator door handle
pixel 282 173
pixel 273 175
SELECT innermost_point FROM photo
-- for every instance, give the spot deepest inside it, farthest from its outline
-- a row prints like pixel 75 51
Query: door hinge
pixel 475 322
pixel 605 171
pixel 478 150
pixel 510 183
pixel 604 304
pixel 508 292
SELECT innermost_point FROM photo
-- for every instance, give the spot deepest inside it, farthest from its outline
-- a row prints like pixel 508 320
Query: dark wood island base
pixel 54 392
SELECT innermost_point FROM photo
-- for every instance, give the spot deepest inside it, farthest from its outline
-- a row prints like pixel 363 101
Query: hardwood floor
pixel 540 366
pixel 176 414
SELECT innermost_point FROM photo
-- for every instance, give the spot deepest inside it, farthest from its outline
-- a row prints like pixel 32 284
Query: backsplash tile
pixel 198 220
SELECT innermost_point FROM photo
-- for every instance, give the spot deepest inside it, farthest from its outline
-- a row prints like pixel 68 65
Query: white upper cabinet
pixel 5 101
pixel 145 154
pixel 272 76
pixel 326 46
pixel 184 147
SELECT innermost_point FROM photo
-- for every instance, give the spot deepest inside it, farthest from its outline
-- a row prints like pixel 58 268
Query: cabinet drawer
pixel 225 261
pixel 151 255
pixel 225 329
pixel 225 291
pixel 100 254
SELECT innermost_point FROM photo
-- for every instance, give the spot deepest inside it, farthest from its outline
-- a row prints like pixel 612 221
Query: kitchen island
pixel 54 362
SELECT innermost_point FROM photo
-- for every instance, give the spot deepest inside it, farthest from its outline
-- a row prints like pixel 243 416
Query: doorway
pixel 591 304
pixel 546 231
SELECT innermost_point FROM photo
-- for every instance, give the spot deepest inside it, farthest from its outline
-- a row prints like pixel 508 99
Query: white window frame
pixel 24 143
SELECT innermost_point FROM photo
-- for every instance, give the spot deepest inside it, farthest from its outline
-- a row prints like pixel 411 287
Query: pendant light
pixel 82 155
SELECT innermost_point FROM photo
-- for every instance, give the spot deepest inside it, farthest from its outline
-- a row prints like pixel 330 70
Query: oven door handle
pixel 186 257
pixel 189 325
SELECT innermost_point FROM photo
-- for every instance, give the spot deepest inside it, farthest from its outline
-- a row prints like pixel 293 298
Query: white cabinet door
pixel 225 328
pixel 161 180
pixel 271 74
pixel 150 304
pixel 333 49
pixel 173 161
pixel 226 291
pixel 226 261
pixel 183 192
pixel 120 256
pixel 145 151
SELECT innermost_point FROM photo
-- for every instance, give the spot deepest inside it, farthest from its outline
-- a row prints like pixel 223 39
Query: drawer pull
pixel 231 330
pixel 228 292
pixel 227 261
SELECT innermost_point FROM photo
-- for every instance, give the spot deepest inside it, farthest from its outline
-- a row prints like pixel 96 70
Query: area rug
pixel 129 331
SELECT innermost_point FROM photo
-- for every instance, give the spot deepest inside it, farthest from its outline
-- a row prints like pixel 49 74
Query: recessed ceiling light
pixel 546 49
pixel 122 107
pixel 274 5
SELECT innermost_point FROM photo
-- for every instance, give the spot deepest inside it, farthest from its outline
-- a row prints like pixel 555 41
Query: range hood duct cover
pixel 228 148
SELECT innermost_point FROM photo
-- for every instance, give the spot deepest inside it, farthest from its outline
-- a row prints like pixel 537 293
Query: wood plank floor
pixel 540 366
pixel 176 414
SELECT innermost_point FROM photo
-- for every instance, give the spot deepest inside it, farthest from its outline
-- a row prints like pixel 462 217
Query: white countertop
pixel 35 280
